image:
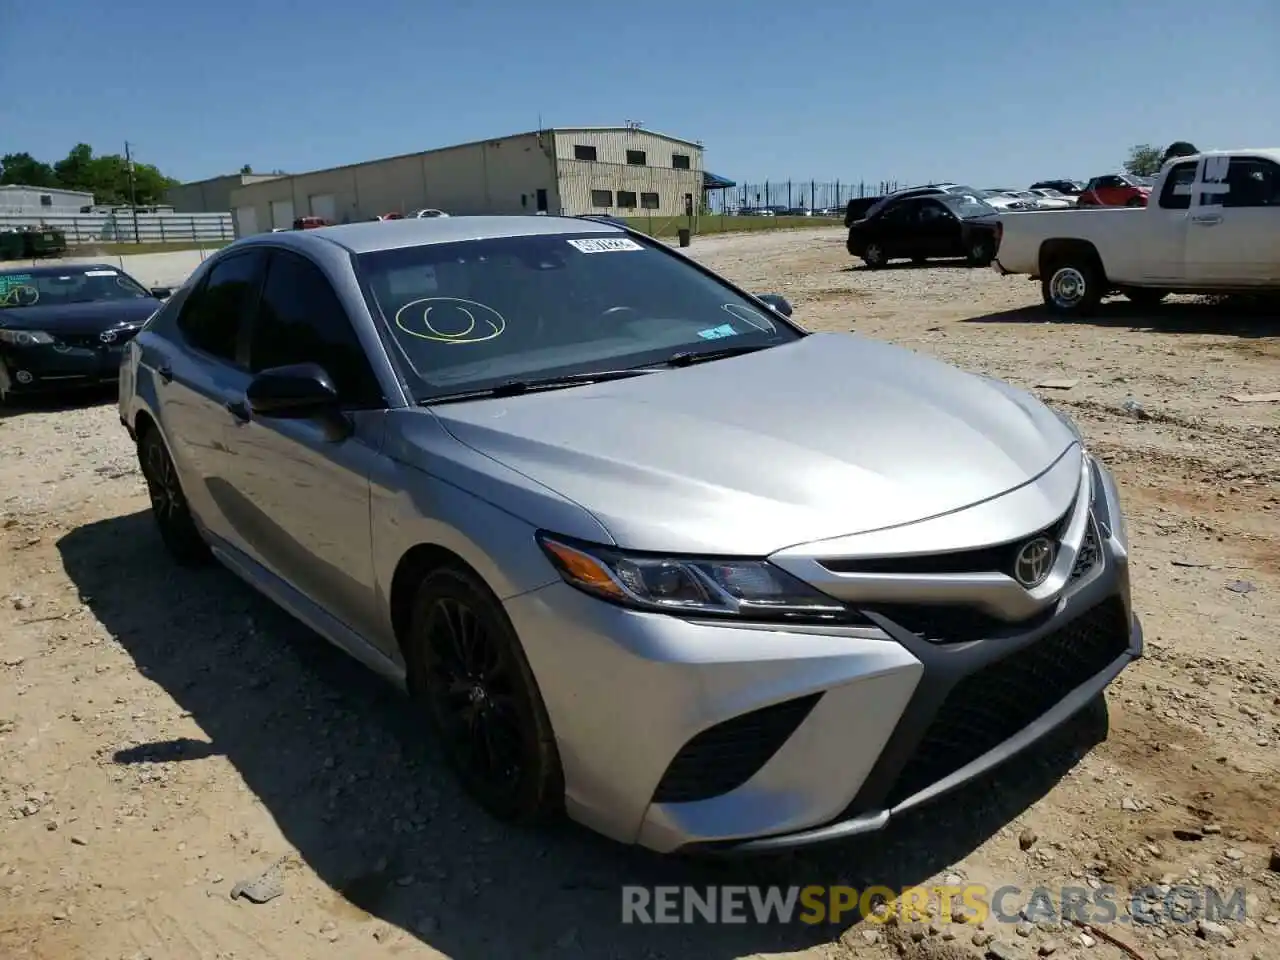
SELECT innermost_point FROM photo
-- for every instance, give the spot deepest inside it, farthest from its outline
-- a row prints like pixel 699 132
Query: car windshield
pixel 86 285
pixel 1050 192
pixel 963 206
pixel 480 313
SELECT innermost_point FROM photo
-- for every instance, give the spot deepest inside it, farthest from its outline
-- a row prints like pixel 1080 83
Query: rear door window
pixel 1176 192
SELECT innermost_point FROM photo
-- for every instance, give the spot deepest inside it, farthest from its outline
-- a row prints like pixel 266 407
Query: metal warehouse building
pixel 626 171
pixel 212 195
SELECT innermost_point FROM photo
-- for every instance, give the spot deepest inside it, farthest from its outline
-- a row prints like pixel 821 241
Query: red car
pixel 1115 190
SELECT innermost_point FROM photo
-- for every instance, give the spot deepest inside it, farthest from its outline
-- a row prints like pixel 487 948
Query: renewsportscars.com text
pixel 973 903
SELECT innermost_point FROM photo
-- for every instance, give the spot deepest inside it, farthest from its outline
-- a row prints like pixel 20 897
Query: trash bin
pixel 683 234
pixel 44 242
pixel 11 245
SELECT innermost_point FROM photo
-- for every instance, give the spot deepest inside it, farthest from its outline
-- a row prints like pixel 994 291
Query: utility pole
pixel 133 200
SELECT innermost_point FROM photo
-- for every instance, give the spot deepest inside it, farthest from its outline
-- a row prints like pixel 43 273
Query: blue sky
pixel 995 93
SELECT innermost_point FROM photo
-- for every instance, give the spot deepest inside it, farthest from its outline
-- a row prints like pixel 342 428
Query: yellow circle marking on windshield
pixel 481 322
pixel 747 315
pixel 23 295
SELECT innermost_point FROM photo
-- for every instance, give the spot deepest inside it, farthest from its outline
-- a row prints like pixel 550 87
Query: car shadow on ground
pixel 1233 316
pixel 341 762
pixel 17 404
pixel 960 264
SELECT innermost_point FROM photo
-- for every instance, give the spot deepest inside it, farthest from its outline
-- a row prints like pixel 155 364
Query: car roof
pixel 370 236
pixel 56 270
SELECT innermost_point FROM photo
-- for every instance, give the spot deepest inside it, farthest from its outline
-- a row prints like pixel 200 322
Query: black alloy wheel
pixel 467 668
pixel 169 506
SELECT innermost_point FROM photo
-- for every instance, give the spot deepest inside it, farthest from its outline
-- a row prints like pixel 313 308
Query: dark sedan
pixel 66 325
pixel 926 228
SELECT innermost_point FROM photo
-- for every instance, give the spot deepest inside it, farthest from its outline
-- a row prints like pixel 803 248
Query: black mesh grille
pixel 990 706
pixel 729 754
pixel 953 623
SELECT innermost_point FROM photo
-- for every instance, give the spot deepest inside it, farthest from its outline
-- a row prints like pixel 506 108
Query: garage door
pixel 325 206
pixel 282 214
pixel 246 221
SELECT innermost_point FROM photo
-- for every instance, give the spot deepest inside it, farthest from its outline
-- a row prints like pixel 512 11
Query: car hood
pixel 831 435
pixel 79 317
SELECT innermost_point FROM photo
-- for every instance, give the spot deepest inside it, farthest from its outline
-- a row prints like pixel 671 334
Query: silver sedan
pixel 644 550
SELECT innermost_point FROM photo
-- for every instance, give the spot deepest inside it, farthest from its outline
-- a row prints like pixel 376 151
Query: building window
pixel 627 199
pixel 635 158
pixel 680 161
pixel 602 198
pixel 46 200
pixel 649 201
pixel 581 152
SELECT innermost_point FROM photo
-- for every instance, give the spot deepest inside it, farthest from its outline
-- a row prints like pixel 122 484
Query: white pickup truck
pixel 1212 225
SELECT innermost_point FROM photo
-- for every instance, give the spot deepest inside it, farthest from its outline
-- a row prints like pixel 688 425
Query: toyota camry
pixel 644 550
pixel 67 325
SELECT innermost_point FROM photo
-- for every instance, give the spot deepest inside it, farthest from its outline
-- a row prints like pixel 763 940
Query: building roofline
pixel 460 146
pixel 232 176
pixel 652 133
pixel 27 186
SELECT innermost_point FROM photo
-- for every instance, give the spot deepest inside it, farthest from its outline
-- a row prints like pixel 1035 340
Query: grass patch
pixel 713 224
pixel 131 249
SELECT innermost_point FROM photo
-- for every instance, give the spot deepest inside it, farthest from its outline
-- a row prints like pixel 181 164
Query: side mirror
pixel 296 392
pixel 161 293
pixel 777 301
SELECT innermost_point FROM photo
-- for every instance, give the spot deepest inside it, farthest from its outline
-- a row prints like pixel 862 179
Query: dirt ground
pixel 165 734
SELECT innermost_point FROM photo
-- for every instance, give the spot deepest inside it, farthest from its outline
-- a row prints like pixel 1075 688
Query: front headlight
pixel 751 589
pixel 25 338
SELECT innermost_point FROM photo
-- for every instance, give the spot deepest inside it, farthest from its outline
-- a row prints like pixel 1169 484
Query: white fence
pixel 82 228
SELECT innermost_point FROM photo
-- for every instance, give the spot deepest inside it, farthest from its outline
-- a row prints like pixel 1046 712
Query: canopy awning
pixel 712 182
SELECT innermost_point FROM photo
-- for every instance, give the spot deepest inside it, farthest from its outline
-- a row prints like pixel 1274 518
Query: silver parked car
pixel 643 549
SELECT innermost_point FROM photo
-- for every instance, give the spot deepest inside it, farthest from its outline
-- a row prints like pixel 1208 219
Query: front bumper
pixel 679 734
pixel 48 367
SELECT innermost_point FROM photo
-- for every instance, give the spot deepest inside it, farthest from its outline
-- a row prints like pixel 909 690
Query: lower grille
pixel 988 707
pixel 724 757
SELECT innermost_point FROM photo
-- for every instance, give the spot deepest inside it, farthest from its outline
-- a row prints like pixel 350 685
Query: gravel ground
pixel 165 734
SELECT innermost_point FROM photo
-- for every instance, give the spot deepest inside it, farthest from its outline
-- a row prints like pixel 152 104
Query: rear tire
pixel 169 506
pixel 1073 285
pixel 1135 202
pixel 1145 296
pixel 981 252
pixel 468 670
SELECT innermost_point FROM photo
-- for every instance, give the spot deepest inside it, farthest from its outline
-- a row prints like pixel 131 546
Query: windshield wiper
pixel 690 357
pixel 512 388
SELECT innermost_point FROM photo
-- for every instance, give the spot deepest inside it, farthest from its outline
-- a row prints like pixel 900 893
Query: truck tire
pixel 1073 285
pixel 1145 296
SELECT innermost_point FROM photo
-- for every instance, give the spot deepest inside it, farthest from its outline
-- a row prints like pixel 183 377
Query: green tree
pixel 24 169
pixel 73 170
pixel 1144 160
pixel 1179 148
pixel 246 169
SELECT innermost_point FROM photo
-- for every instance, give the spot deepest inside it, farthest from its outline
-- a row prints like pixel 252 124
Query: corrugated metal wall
pixel 655 188
pixel 491 177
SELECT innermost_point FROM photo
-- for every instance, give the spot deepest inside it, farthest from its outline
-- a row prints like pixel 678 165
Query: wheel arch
pixel 1059 248
pixel 415 564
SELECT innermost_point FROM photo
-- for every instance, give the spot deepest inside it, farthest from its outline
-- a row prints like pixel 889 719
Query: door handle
pixel 1206 221
pixel 165 373
pixel 238 409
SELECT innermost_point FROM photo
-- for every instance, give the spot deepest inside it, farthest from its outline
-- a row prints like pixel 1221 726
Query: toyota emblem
pixel 107 336
pixel 1034 562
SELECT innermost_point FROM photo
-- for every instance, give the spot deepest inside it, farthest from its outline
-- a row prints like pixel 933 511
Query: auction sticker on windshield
pixel 605 245
pixel 100 273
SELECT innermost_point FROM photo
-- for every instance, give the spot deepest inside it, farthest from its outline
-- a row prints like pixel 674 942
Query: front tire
pixel 874 257
pixel 1073 286
pixel 1135 202
pixel 469 672
pixel 169 506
